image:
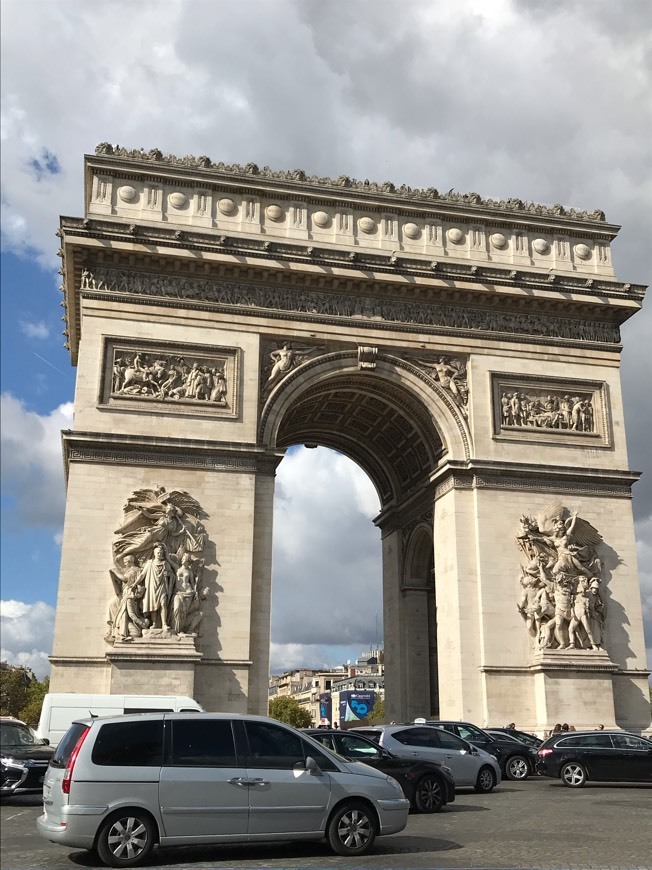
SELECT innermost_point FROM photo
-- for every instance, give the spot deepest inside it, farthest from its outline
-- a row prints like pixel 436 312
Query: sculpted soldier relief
pixel 158 567
pixel 168 378
pixel 548 410
pixel 561 578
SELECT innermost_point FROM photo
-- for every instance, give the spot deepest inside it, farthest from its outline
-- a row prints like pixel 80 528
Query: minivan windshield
pixel 18 734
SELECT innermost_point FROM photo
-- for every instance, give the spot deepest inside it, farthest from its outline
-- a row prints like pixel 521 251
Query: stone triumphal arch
pixel 465 352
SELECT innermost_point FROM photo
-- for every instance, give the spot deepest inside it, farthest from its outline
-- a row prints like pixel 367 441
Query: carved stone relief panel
pixel 449 372
pixel 279 358
pixel 159 557
pixel 550 409
pixel 561 576
pixel 177 378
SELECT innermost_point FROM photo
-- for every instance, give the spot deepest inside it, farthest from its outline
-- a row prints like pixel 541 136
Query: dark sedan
pixel 529 739
pixel 427 785
pixel 601 756
pixel 23 758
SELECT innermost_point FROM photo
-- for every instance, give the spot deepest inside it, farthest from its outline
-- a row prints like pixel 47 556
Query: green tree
pixel 290 711
pixel 377 715
pixel 36 691
pixel 14 689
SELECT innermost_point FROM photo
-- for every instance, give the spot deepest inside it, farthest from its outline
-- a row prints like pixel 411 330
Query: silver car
pixel 123 784
pixel 471 766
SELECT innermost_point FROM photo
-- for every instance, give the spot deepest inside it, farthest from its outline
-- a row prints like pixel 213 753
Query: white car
pixel 471 766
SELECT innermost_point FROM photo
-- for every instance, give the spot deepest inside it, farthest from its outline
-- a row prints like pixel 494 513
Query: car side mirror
pixel 312 767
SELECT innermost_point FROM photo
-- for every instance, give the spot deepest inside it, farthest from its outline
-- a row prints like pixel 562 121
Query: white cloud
pixel 27 631
pixel 32 465
pixel 34 330
pixel 326 555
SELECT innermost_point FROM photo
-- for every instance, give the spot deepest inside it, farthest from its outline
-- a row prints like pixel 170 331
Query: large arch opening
pixel 389 433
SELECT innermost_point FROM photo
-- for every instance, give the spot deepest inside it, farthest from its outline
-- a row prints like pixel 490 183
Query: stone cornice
pixel 142 450
pixel 477 474
pixel 157 164
pixel 173 240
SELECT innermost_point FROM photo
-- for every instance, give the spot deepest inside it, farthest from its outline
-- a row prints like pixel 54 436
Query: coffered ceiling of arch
pixel 388 435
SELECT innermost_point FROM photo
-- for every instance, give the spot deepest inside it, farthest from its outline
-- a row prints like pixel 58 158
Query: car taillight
pixel 67 776
pixel 544 751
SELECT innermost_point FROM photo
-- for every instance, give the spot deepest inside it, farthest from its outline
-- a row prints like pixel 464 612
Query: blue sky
pixel 545 101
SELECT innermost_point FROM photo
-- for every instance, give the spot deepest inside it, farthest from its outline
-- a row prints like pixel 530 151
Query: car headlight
pixel 394 783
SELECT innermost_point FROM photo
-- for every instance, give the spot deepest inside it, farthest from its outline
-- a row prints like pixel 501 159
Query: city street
pixel 533 825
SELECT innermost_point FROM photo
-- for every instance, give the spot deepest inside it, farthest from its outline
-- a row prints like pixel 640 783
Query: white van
pixel 60 709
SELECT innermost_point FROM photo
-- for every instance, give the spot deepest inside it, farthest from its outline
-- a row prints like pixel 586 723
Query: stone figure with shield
pixel 158 567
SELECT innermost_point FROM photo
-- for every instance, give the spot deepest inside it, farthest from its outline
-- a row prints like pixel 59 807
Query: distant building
pixel 337 695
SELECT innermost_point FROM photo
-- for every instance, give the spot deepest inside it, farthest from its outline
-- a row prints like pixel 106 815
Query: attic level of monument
pixel 156 166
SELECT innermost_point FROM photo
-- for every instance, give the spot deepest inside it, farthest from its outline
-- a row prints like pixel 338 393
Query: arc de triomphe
pixel 465 352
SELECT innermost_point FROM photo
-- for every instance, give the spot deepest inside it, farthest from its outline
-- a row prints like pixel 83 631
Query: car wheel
pixel 573 775
pixel 429 794
pixel 126 838
pixel 486 780
pixel 352 829
pixel 517 767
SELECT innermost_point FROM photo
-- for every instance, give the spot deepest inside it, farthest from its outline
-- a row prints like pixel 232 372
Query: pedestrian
pixel 600 728
pixel 565 727
pixel 335 725
pixel 571 728
pixel 512 726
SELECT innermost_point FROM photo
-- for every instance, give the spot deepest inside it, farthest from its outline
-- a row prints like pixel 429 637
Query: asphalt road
pixel 534 825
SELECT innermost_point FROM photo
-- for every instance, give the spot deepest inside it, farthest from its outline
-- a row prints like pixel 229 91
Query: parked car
pixel 471 766
pixel 602 756
pixel 469 732
pixel 23 757
pixel 518 760
pixel 122 784
pixel 529 739
pixel 428 786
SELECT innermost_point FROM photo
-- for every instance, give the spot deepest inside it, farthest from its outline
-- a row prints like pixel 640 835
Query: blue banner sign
pixel 355 706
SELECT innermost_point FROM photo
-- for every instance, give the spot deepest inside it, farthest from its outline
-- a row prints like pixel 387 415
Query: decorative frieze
pixel 178 378
pixel 363 307
pixel 550 409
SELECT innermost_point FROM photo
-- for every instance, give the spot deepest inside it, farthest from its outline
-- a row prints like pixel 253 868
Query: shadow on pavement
pixel 239 856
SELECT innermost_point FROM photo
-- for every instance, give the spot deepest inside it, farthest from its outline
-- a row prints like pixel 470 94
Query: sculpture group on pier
pixel 561 579
pixel 158 567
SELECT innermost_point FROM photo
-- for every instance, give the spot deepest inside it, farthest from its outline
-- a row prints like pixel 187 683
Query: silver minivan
pixel 123 784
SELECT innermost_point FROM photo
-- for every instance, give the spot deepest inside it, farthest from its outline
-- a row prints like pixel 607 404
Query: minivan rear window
pixel 64 750
pixel 129 744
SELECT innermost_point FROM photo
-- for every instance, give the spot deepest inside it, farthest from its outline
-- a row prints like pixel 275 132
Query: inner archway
pixel 326 565
pixel 380 423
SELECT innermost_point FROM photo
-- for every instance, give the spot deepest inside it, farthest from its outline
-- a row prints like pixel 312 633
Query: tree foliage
pixel 21 694
pixel 288 710
pixel 31 712
pixel 377 715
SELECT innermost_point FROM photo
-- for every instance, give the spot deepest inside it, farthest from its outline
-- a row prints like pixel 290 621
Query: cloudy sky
pixel 544 100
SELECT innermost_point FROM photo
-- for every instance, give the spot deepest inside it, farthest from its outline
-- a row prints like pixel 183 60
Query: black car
pixel 529 739
pixel 24 758
pixel 516 760
pixel 427 785
pixel 602 756
pixel 519 758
